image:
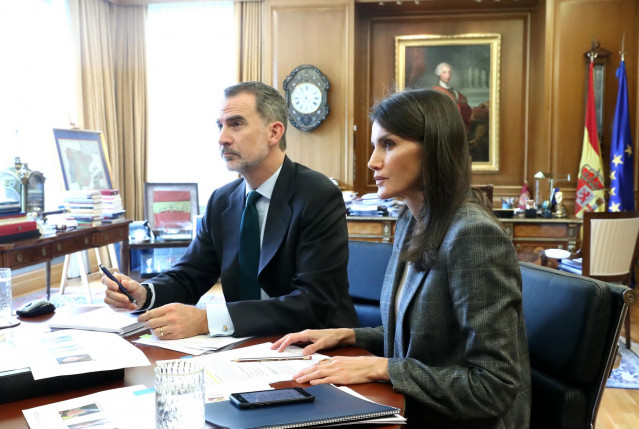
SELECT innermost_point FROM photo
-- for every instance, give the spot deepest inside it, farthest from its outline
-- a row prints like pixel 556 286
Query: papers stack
pixel 195 346
pixel 223 375
pixel 104 319
pixel 125 407
pixel 68 352
pixel 371 205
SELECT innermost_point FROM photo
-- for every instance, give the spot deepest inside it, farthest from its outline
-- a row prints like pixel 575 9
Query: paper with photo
pixel 123 408
pixel 70 351
pixel 195 346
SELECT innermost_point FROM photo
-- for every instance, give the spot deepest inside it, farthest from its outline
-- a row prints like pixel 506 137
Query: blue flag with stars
pixel 621 156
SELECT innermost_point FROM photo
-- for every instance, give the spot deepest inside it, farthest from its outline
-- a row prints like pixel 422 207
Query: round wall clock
pixel 306 90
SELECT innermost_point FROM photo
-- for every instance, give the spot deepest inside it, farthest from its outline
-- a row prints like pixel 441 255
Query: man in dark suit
pixel 304 239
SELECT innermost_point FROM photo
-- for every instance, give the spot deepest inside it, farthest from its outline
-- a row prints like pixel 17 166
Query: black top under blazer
pixel 302 262
pixel 457 346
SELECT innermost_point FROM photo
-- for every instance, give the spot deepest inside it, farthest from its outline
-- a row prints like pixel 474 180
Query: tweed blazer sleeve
pixel 458 343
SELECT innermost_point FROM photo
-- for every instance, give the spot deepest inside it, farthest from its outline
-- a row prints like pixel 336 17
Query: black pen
pixel 112 277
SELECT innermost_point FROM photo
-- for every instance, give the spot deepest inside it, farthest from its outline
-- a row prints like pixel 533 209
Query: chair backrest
pixel 367 262
pixel 573 325
pixel 608 244
pixel 486 189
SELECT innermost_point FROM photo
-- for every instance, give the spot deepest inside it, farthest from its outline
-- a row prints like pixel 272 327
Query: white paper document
pixel 70 351
pixel 224 376
pixel 102 319
pixel 195 346
pixel 10 357
pixel 127 407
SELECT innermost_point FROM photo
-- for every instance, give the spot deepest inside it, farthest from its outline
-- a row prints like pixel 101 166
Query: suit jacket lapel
pixel 279 213
pixel 395 322
pixel 414 280
pixel 232 217
pixel 389 291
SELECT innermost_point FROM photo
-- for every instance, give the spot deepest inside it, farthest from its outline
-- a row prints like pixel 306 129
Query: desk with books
pixel 43 249
pixel 11 413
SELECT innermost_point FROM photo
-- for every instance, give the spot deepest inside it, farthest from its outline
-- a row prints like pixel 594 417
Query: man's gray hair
pixel 269 103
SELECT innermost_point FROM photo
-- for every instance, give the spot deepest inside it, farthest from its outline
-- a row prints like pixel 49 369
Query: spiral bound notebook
pixel 331 405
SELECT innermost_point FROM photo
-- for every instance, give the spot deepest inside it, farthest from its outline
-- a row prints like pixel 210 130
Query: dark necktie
pixel 249 258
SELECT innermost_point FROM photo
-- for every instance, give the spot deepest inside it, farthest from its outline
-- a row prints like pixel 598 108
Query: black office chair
pixel 573 325
pixel 367 262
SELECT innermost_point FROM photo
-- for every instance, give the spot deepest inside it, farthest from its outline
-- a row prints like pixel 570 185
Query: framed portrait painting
pixel 170 208
pixel 83 158
pixel 466 68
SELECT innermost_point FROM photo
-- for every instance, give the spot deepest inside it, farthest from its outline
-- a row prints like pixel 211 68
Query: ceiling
pixel 376 7
pixel 406 6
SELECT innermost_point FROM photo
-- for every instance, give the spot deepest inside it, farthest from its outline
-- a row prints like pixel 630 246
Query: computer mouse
pixel 36 308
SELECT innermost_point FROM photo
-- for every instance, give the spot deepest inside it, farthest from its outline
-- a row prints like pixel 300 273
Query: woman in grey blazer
pixel 452 338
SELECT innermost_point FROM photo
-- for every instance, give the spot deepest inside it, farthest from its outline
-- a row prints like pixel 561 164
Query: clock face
pixel 306 90
pixel 306 97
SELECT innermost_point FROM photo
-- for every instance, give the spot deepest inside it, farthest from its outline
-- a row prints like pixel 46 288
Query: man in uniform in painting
pixel 445 72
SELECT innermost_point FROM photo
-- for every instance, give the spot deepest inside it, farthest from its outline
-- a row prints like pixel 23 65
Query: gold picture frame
pixel 474 60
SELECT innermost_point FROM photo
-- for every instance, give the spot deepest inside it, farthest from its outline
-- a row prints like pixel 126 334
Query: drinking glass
pixel 179 394
pixel 6 297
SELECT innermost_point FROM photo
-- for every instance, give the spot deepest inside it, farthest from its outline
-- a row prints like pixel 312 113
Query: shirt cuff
pixel 219 319
pixel 150 296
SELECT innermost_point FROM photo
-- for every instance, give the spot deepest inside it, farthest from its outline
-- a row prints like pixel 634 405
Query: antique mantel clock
pixel 306 90
pixel 24 185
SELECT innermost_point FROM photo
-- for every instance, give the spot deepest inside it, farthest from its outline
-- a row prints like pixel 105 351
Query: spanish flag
pixel 590 181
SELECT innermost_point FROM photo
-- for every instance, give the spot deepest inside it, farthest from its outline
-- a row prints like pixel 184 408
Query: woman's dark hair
pixel 432 119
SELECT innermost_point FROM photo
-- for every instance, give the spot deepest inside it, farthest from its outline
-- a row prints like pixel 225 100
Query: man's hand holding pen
pixel 119 301
pixel 168 322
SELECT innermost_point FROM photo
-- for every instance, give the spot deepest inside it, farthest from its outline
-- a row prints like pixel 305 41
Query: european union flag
pixel 621 156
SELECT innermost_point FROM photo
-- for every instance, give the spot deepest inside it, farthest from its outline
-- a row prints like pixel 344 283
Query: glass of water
pixel 179 394
pixel 6 296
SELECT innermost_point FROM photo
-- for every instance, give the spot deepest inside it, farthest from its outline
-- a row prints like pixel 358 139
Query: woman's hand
pixel 345 370
pixel 319 339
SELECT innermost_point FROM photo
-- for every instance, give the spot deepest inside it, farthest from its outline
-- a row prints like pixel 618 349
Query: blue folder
pixel 331 405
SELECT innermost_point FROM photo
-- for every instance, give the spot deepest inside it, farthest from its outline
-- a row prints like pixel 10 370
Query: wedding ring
pixel 324 361
pixel 161 331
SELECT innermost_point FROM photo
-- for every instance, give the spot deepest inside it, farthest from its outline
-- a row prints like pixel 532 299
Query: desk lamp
pixel 553 178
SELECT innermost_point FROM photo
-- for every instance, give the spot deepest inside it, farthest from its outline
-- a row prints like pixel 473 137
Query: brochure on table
pixel 71 351
pixel 127 407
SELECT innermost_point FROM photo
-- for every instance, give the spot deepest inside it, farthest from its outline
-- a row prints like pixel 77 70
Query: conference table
pixel 11 412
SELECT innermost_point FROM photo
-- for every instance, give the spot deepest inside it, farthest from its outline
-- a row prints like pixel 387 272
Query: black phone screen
pixel 270 397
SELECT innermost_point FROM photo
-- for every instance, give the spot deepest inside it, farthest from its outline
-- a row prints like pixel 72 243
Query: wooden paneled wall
pixel 319 33
pixel 570 27
pixel 543 73
pixel 376 35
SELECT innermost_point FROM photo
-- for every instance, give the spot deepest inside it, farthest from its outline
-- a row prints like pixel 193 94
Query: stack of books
pixel 17 226
pixel 112 208
pixel 84 207
pixel 8 206
pixel 372 205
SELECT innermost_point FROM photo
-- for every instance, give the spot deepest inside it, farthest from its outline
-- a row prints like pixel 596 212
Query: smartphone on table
pixel 264 398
